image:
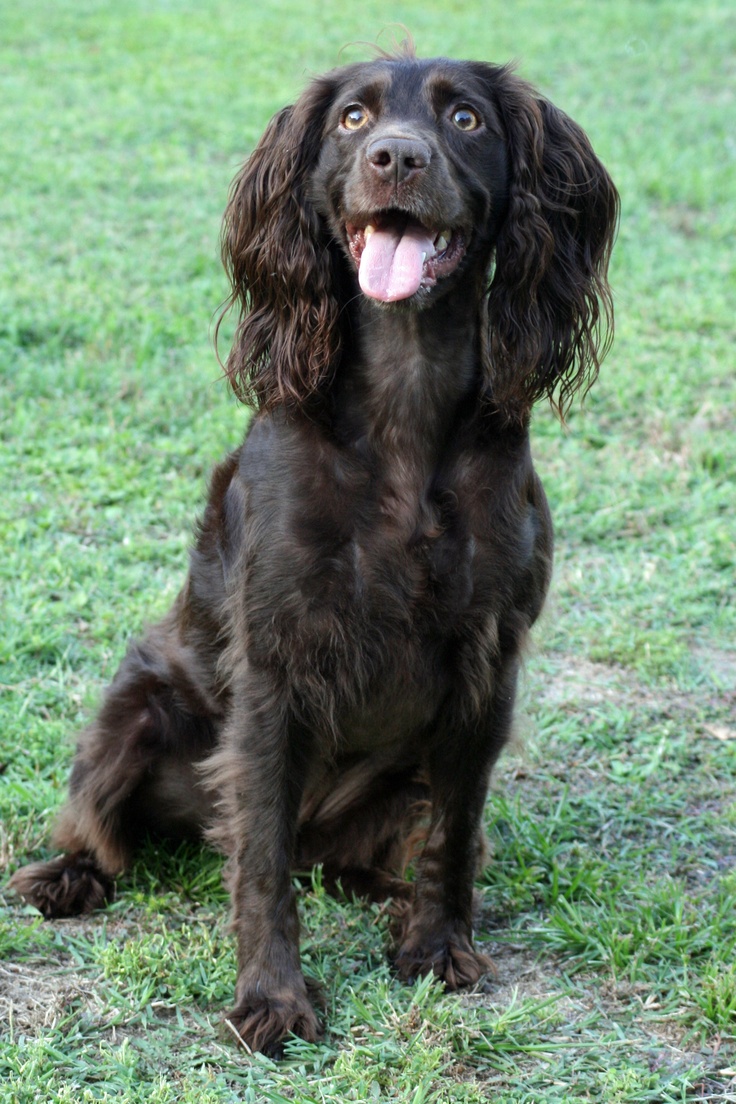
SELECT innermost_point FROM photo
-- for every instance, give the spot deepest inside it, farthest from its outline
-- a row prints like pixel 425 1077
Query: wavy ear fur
pixel 288 337
pixel 550 307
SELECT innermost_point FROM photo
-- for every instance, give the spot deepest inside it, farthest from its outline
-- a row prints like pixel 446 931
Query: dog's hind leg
pixel 133 774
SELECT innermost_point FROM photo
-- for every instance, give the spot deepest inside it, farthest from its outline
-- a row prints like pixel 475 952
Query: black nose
pixel 397 159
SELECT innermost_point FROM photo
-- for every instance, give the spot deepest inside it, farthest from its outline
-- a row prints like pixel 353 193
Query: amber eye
pixel 465 119
pixel 354 117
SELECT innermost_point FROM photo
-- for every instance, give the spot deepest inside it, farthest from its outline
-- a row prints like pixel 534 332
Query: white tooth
pixel 369 230
pixel 424 257
pixel 441 242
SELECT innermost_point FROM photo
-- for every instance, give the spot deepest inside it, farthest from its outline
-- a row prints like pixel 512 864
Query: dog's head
pixel 401 179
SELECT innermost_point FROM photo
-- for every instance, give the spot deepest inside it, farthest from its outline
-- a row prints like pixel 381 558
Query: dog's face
pixel 421 180
pixel 413 175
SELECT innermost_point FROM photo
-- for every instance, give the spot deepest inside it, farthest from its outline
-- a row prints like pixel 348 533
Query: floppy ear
pixel 287 339
pixel 550 307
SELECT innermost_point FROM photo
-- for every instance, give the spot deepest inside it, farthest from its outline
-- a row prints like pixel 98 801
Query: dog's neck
pixel 410 370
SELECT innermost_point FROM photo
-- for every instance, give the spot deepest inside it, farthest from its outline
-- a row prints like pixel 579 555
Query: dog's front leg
pixel 438 933
pixel 259 773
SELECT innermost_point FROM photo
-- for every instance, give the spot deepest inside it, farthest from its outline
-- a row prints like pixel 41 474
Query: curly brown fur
pixel 418 252
pixel 67 886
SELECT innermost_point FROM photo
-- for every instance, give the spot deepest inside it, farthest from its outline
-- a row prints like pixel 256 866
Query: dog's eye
pixel 354 117
pixel 465 119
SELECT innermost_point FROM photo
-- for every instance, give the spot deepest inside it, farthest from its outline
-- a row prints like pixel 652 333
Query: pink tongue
pixel 392 262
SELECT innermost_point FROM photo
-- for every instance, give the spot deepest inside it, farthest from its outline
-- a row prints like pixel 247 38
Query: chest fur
pixel 379 591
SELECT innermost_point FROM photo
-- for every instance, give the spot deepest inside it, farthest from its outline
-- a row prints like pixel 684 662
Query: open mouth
pixel 396 255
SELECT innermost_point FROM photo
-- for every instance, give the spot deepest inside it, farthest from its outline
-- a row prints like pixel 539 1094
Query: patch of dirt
pixel 573 682
pixel 720 666
pixel 35 997
pixel 669 1039
pixel 580 681
pixel 519 974
pixel 614 1007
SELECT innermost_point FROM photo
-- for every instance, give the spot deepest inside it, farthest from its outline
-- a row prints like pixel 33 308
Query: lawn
pixel 610 903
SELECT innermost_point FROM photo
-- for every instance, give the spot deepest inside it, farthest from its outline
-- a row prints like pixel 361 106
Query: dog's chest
pixel 389 550
pixel 420 552
pixel 379 590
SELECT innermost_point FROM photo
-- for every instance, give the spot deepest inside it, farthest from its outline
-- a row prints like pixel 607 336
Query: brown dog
pixel 419 251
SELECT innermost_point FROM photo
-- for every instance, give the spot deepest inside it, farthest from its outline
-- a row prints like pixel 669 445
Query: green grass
pixel 610 904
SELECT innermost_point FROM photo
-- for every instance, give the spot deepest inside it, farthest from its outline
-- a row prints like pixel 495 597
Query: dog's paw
pixel 67 886
pixel 264 1023
pixel 453 960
